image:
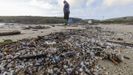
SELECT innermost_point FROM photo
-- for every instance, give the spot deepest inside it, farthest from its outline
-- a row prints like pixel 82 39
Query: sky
pixel 86 9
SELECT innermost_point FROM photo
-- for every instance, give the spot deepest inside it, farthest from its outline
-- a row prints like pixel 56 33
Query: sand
pixel 118 27
pixel 125 68
pixel 32 33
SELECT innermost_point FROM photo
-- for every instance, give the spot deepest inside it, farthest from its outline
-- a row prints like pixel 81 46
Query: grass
pixel 6 42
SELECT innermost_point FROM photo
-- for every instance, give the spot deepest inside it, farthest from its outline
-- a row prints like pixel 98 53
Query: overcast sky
pixel 97 9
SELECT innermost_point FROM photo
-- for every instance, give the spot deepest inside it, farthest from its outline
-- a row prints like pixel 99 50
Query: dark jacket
pixel 66 8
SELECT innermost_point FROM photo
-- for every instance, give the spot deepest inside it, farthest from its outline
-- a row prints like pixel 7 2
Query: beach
pixel 31 33
pixel 120 33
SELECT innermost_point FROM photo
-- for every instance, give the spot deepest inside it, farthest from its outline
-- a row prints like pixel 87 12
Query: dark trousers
pixel 66 16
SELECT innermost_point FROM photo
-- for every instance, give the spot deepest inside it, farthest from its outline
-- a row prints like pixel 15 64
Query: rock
pixel 120 39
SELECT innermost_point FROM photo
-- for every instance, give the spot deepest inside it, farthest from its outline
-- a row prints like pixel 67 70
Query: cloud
pixel 79 8
pixel 79 3
pixel 42 4
pixel 53 7
pixel 17 8
pixel 59 3
pixel 117 2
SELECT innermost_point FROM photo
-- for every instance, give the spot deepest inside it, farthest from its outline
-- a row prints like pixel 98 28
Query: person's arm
pixel 66 8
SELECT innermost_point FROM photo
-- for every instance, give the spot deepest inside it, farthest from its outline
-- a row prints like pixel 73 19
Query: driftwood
pixel 10 33
pixel 126 57
pixel 36 27
pixel 12 60
pixel 25 57
pixel 114 58
pixel 121 43
pixel 31 57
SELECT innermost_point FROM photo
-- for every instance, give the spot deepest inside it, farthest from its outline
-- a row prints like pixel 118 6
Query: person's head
pixel 65 2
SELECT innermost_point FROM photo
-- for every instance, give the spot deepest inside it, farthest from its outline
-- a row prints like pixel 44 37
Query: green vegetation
pixel 34 19
pixel 121 20
pixel 5 42
pixel 58 20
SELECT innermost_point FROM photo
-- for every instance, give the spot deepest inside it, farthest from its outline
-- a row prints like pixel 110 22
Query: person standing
pixel 66 10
